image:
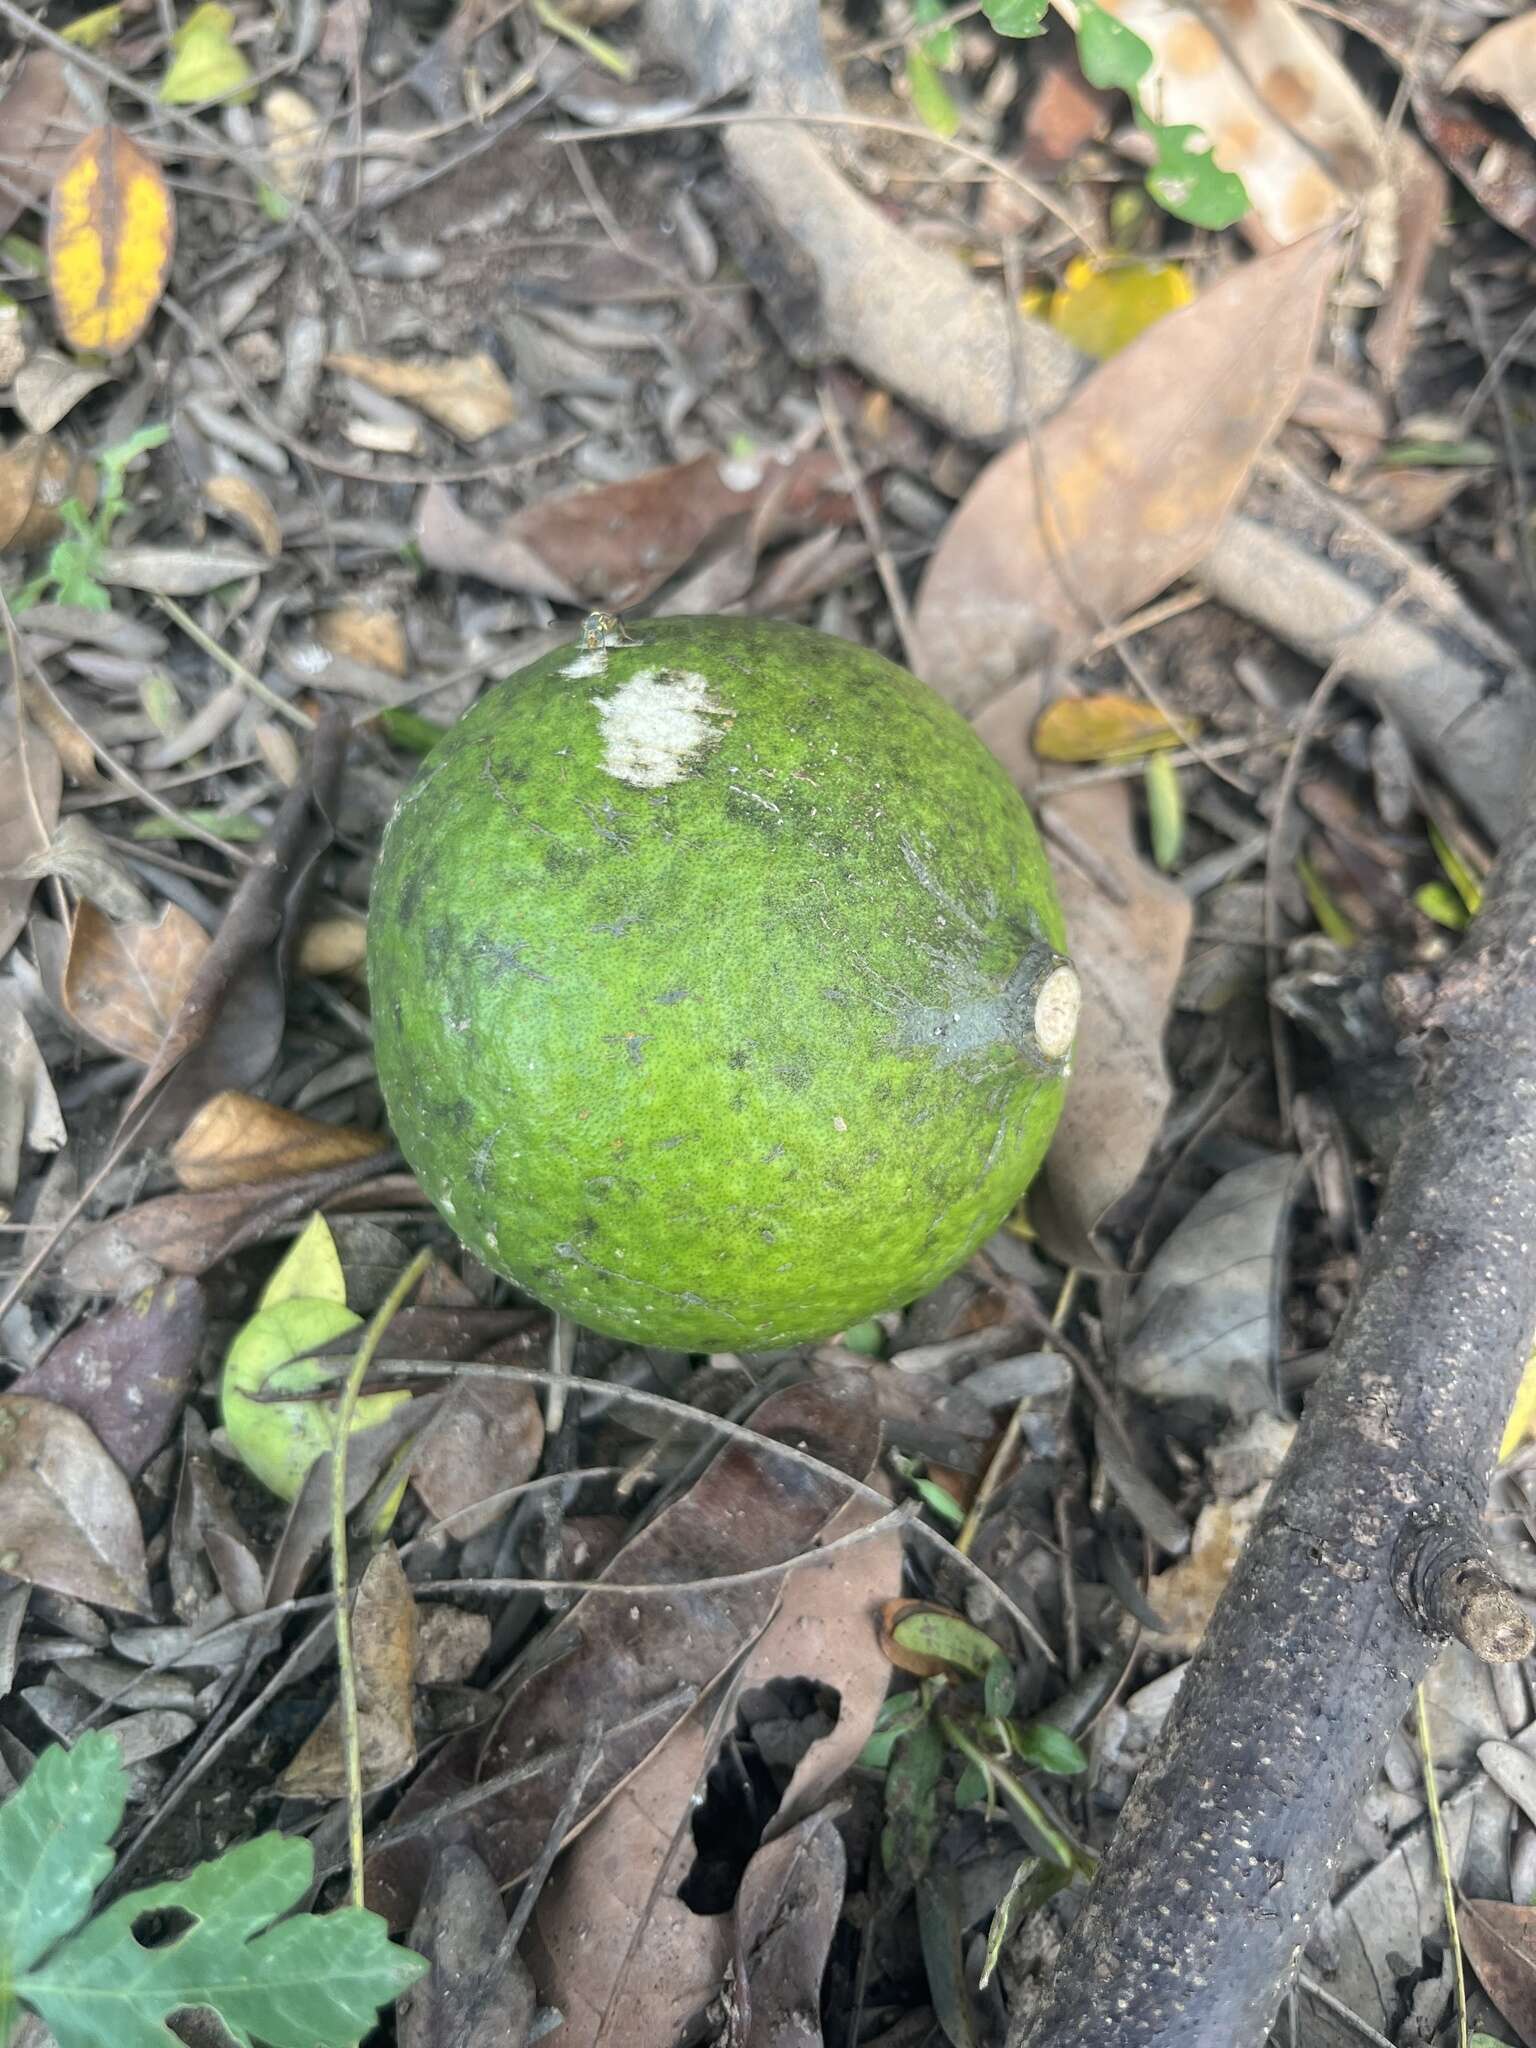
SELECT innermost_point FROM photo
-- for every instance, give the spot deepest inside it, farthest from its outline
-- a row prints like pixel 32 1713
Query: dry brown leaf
pixel 1500 1941
pixel 124 982
pixel 31 788
pixel 610 1934
pixel 13 342
pixel 489 1437
pixel 29 1109
pixel 479 1993
pixel 618 543
pixel 296 134
pixel 41 125
pixel 247 506
pixel 1126 487
pixel 1422 195
pixel 1128 954
pixel 367 633
pixel 238 1140
pixel 787 1911
pixel 36 476
pixel 67 1519
pixel 466 394
pixel 111 235
pixel 333 945
pixel 384 1650
pixel 1501 65
pixel 177 571
pixel 1499 170
pixel 49 386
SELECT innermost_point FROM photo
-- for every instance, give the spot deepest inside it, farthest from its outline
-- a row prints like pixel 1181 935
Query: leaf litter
pixel 423 458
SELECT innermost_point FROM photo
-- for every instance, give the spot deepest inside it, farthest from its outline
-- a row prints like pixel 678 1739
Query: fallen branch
pixel 1368 1554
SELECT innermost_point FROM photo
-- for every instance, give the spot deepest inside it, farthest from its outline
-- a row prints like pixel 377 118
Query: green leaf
pixel 1440 901
pixel 1016 17
pixel 930 96
pixel 236 828
pixel 998 1690
pixel 912 1818
pixel 1034 1882
pixel 950 1638
pixel 114 463
pixel 1165 810
pixel 1186 180
pixel 1328 914
pixel 898 1716
pixel 312 1981
pixel 939 1502
pixel 208 64
pixel 1457 873
pixel 1112 56
pixel 54 1834
pixel 410 730
pixel 941 47
pixel 1047 1747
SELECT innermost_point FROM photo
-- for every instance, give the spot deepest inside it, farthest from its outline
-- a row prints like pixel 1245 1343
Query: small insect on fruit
pixel 719 987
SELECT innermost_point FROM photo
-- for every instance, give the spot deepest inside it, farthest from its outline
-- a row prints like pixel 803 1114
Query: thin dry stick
pixel 1442 1858
pixel 1008 1443
pixel 346 1408
pixel 869 519
pixel 228 663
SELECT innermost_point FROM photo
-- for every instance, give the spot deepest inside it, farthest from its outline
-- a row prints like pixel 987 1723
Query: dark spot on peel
pixel 408 901
pixel 738 1059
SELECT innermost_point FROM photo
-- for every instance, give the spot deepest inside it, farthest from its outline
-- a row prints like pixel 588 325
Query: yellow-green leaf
pixel 1101 308
pixel 278 1440
pixel 1328 914
pixel 1439 901
pixel 1457 873
pixel 111 233
pixel 95 28
pixel 1108 727
pixel 207 64
pixel 310 1270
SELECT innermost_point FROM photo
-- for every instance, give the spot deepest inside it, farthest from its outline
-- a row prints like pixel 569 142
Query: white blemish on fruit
pixel 656 724
pixel 594 662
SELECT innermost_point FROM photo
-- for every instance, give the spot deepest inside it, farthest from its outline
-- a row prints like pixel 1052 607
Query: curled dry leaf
pixel 50 386
pixel 466 394
pixel 236 1140
pixel 489 1437
pixel 31 788
pixel 246 505
pixel 36 476
pixel 610 1658
pixel 1501 65
pixel 384 1650
pixel 227 1031
pixel 29 1109
pixel 124 982
pixel 210 1556
pixel 479 1994
pixel 177 572
pixel 84 860
pixel 1499 170
pixel 128 1372
pixel 1126 487
pixel 67 1519
pixel 617 544
pixel 1202 1323
pixel 1129 928
pixel 41 126
pixel 371 634
pixel 111 234
pixel 611 1934
pixel 189 1233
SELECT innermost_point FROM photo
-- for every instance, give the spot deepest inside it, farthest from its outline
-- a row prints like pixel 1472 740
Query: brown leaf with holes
pixel 384 1652
pixel 41 125
pixel 235 1140
pixel 1500 1941
pixel 31 789
pixel 123 983
pixel 67 1518
pixel 128 1372
pixel 609 1659
pixel 1126 487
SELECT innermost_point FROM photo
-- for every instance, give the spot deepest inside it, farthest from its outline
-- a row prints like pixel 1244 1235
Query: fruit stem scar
pixel 1058 1002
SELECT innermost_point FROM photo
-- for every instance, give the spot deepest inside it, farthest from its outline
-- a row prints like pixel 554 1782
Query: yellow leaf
pixel 95 28
pixel 1522 1417
pixel 1108 727
pixel 279 1440
pixel 310 1271
pixel 111 231
pixel 1100 310
pixel 207 65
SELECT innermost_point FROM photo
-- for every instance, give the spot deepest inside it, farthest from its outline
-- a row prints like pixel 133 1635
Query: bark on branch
pixel 1368 1553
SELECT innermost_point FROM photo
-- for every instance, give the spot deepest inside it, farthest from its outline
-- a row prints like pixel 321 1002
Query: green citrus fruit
pixel 717 983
